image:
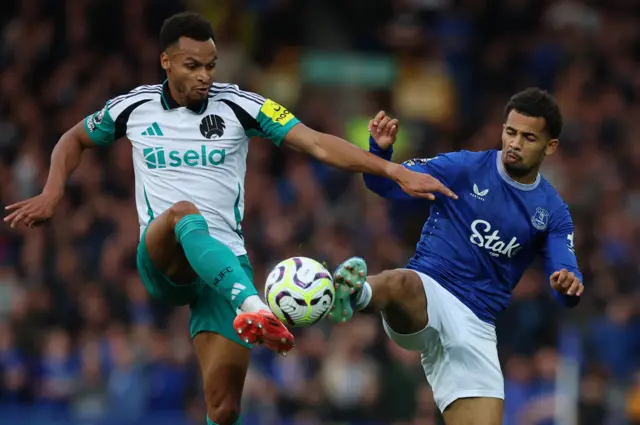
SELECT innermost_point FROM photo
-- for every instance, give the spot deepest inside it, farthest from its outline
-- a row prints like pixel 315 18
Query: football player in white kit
pixel 190 140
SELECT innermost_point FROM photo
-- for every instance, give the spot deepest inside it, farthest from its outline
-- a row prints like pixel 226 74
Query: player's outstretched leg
pixel 397 294
pixel 180 246
pixel 401 298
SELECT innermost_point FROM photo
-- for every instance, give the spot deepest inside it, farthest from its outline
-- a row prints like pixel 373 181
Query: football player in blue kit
pixel 471 254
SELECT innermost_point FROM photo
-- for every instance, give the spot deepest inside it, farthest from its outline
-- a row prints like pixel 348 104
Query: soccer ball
pixel 299 291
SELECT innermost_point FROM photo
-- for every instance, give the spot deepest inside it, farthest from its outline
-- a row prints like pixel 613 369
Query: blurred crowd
pixel 82 343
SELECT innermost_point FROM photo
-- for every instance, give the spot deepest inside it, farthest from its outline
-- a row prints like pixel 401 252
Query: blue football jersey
pixel 479 246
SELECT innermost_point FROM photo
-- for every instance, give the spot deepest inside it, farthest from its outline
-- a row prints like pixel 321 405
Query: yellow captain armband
pixel 276 112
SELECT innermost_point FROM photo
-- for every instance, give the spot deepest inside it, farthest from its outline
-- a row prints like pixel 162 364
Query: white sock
pixel 253 304
pixel 364 298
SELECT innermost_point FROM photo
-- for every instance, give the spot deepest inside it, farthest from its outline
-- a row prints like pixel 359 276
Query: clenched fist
pixel 566 282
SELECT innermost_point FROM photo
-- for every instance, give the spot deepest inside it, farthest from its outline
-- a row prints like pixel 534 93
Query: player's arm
pixel 95 129
pixel 385 187
pixel 266 118
pixel 65 158
pixel 560 263
pixel 341 154
pixel 383 132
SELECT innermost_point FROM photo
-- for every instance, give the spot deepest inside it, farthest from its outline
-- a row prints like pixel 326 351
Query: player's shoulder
pixel 552 196
pixel 474 157
pixel 142 93
pixel 226 92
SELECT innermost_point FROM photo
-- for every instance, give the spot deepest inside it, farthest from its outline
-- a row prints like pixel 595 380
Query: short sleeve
pixel 110 123
pixel 101 127
pixel 259 116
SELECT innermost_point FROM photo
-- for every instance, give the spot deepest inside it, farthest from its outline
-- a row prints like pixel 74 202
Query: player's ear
pixel 552 145
pixel 164 61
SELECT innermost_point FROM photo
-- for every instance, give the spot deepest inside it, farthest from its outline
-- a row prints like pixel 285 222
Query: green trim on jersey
pixel 275 121
pixel 253 133
pixel 236 212
pixel 100 127
pixel 149 210
pixel 165 105
pixel 168 102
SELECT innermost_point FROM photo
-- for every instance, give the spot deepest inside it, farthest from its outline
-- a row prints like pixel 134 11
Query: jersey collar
pixel 168 102
pixel 511 181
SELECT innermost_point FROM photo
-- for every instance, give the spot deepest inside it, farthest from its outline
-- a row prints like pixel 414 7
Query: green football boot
pixel 348 280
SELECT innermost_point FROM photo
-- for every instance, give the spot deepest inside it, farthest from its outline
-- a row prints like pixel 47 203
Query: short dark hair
pixel 534 102
pixel 186 24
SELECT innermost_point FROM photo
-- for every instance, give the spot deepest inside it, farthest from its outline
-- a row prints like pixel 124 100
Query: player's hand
pixel 383 129
pixel 566 282
pixel 419 185
pixel 33 211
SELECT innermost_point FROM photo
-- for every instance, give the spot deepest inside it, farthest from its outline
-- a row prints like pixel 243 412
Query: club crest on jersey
pixel 540 219
pixel 212 126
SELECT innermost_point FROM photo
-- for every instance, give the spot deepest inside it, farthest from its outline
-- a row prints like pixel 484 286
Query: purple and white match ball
pixel 299 291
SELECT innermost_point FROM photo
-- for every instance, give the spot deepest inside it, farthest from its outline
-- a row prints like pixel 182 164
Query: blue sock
pixel 213 261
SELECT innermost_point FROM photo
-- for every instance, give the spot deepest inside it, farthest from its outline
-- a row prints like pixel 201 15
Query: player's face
pixel 525 143
pixel 190 65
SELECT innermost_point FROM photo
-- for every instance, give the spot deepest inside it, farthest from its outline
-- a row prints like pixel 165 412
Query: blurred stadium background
pixel 81 342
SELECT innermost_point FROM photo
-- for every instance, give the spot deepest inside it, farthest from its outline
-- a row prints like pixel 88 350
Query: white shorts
pixel 459 351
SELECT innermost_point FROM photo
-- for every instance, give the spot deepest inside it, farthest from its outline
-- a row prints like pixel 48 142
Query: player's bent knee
pixel 181 209
pixel 225 411
pixel 403 284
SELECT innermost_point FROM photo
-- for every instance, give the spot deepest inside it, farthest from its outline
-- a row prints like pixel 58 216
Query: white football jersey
pixel 182 154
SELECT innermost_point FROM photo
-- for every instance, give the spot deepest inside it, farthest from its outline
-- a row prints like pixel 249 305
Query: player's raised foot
pixel 348 279
pixel 264 328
